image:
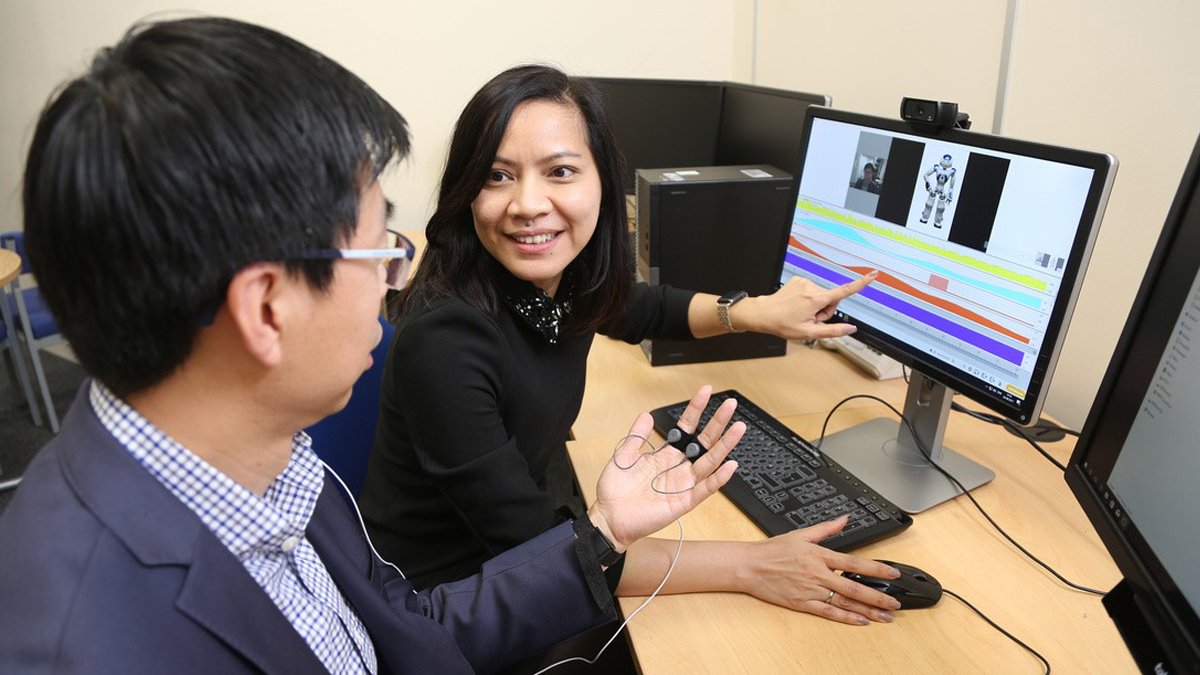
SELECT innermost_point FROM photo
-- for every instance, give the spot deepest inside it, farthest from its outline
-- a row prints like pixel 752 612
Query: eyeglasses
pixel 396 259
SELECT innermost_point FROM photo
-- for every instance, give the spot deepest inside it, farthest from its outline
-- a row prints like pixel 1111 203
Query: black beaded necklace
pixel 540 311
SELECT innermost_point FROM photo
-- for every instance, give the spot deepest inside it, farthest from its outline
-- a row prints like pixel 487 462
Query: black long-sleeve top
pixel 473 409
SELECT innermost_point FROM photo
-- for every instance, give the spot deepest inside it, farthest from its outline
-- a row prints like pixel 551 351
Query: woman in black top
pixel 528 257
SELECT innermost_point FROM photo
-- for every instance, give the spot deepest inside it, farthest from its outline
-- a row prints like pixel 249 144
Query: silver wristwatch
pixel 724 303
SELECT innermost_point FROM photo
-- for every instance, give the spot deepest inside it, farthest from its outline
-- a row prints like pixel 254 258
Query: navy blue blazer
pixel 102 570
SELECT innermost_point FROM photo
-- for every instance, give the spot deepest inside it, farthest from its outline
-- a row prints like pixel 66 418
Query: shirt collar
pixel 244 522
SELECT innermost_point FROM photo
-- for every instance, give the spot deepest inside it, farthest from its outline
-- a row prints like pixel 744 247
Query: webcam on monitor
pixel 941 114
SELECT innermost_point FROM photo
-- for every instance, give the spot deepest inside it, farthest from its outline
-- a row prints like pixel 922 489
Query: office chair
pixel 33 320
pixel 344 439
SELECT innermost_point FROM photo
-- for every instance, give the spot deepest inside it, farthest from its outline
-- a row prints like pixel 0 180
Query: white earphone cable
pixel 671 568
pixel 361 523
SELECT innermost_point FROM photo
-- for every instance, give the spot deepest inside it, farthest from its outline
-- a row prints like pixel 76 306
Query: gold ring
pixel 829 598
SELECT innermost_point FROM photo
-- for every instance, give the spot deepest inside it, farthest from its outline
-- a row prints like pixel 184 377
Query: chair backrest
pixel 344 439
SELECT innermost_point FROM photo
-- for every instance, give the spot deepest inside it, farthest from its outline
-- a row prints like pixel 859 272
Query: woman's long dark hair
pixel 455 264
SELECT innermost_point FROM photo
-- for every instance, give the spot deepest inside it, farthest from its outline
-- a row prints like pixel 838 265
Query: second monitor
pixel 682 123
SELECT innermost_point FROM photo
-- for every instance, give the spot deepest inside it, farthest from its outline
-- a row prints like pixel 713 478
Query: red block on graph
pixel 940 283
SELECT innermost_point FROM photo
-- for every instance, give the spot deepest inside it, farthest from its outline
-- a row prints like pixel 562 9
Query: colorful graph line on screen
pixel 917 313
pixel 848 233
pixel 892 282
pixel 1026 280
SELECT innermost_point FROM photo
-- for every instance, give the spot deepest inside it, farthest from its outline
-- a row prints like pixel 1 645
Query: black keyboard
pixel 783 483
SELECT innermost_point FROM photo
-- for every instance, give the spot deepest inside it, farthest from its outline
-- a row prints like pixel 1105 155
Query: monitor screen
pixel 761 125
pixel 980 242
pixel 1135 466
pixel 662 123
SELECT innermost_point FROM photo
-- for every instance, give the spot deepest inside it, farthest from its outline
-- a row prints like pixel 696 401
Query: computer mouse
pixel 913 588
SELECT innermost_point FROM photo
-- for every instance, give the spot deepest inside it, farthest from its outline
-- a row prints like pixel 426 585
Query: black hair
pixel 455 263
pixel 186 152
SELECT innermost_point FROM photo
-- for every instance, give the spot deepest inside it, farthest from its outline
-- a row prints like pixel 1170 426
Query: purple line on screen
pixel 910 310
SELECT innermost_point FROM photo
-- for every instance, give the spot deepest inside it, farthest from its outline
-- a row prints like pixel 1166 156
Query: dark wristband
pixel 595 540
pixel 589 542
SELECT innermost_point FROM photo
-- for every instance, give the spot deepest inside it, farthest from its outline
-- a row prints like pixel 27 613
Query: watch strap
pixel 724 303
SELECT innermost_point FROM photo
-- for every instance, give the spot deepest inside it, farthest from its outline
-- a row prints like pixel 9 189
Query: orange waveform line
pixel 904 287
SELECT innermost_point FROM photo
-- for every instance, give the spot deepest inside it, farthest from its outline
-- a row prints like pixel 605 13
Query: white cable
pixel 592 661
pixel 675 559
pixel 361 523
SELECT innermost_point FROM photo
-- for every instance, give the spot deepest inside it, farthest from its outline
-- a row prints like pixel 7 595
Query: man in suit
pixel 203 211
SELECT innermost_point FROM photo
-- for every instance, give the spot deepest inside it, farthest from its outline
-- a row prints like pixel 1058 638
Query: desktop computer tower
pixel 713 229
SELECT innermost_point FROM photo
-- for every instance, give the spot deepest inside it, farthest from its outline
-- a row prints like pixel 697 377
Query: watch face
pixel 730 298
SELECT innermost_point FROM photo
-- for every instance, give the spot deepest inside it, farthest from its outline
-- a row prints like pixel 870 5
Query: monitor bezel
pixel 825 99
pixel 1170 274
pixel 1104 171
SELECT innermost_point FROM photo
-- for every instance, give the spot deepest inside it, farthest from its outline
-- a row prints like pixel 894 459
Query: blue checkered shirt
pixel 266 534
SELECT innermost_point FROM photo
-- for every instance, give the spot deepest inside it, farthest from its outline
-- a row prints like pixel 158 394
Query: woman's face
pixel 540 205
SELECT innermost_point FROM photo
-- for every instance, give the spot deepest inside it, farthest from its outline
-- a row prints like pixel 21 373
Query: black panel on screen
pixel 904 167
pixel 978 200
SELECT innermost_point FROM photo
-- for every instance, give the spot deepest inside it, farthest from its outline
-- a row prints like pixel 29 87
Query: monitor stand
pixel 881 453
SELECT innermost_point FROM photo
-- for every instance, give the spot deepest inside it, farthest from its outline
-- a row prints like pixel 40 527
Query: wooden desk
pixel 10 266
pixel 731 633
pixel 621 383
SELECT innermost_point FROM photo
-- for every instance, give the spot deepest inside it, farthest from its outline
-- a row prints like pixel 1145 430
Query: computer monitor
pixel 688 123
pixel 980 242
pixel 662 123
pixel 1135 466
pixel 761 125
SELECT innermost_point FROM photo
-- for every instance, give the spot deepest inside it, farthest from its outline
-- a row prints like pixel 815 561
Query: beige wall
pixel 1121 78
pixel 868 60
pixel 426 58
pixel 1109 76
pixel 1113 77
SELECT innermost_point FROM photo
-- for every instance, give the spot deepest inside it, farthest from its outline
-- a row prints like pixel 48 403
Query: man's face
pixel 342 327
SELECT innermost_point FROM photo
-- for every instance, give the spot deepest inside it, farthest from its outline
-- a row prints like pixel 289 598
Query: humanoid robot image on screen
pixel 981 243
pixel 941 189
